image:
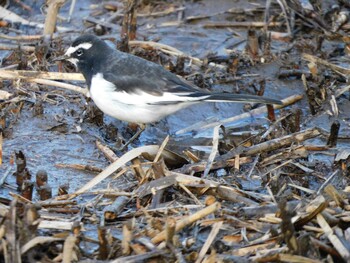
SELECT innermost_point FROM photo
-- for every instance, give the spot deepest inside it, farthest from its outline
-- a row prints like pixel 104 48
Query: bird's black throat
pixel 87 70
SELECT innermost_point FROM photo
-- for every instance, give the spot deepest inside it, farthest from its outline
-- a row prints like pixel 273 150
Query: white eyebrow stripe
pixel 71 50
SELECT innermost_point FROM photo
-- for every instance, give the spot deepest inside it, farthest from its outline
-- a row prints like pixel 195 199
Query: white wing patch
pixel 101 87
pixel 71 50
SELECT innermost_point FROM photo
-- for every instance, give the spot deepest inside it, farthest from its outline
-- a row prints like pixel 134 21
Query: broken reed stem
pixel 133 21
pixel 107 152
pixel 23 37
pixel 69 254
pixel 39 240
pixel 60 85
pixel 335 195
pixel 165 49
pixel 17 47
pixel 333 136
pixel 30 74
pixel 103 243
pixel 112 211
pixel 338 245
pixel 341 70
pixel 187 221
pixel 329 179
pixel 213 233
pixel 161 149
pixel 195 199
pixel 272 144
pixel 130 155
pixel 222 161
pixel 51 16
pixel 46 78
pixel 213 152
pixel 170 228
pixel 241 24
pixel 127 237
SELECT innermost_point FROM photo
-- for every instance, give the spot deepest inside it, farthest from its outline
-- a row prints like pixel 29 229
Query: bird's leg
pixel 142 127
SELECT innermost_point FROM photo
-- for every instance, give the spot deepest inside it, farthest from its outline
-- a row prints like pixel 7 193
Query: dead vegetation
pixel 277 193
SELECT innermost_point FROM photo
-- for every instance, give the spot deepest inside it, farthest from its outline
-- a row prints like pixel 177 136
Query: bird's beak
pixel 66 57
pixel 60 58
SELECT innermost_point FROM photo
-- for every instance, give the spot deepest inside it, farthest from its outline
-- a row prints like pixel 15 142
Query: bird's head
pixel 84 51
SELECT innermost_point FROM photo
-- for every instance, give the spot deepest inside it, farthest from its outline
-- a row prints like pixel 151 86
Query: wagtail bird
pixel 136 90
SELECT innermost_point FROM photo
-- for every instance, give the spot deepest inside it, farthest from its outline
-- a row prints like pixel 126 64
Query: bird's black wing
pixel 143 82
pixel 136 76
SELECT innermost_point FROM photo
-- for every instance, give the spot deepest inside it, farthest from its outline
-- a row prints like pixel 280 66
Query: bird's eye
pixel 79 52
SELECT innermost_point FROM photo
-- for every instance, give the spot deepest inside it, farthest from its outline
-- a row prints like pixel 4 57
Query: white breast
pixel 132 107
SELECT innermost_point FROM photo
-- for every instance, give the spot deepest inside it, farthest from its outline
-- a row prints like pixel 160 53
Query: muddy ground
pixel 55 127
pixel 44 147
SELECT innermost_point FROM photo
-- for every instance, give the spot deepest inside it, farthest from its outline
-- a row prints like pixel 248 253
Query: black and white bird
pixel 133 89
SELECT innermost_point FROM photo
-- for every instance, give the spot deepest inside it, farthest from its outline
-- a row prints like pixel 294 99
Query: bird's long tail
pixel 216 97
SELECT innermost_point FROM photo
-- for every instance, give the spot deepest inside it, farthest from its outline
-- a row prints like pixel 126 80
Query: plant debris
pixel 210 184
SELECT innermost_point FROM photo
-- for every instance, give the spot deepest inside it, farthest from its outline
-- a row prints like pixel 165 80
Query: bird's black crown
pixel 86 39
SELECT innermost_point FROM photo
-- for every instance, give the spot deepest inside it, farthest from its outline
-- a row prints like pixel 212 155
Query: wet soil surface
pixel 73 140
pixel 55 127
